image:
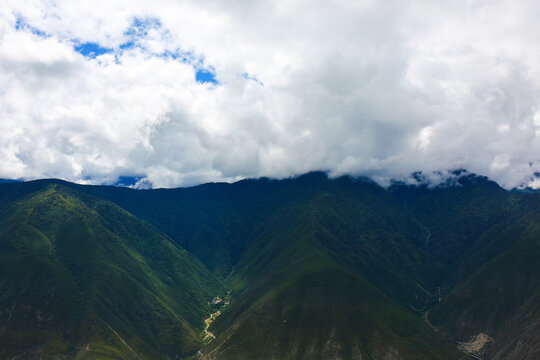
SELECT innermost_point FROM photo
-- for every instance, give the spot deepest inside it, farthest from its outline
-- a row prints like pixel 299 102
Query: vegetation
pixel 80 275
pixel 312 268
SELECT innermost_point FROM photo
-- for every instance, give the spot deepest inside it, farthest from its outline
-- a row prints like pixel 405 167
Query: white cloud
pixel 365 87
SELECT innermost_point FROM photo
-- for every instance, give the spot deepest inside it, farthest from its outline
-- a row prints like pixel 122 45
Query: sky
pixel 177 93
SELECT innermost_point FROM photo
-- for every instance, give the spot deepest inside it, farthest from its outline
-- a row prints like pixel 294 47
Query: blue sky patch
pixel 140 26
pixel 22 25
pixel 137 31
pixel 205 76
pixel 127 181
pixel 91 49
pixel 127 45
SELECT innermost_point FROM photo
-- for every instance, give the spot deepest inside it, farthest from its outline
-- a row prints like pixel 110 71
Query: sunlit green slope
pixel 81 277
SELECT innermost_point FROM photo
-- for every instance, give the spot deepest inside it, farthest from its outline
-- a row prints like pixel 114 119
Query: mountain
pixel 83 278
pixel 313 267
pixel 490 240
pixel 217 222
pixel 297 301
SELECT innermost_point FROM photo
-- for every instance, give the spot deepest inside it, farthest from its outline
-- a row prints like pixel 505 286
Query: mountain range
pixel 309 267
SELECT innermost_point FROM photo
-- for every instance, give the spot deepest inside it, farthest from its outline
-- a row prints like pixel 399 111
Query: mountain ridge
pixel 414 247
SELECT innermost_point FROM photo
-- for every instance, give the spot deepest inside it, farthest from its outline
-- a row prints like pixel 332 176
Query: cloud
pixel 180 93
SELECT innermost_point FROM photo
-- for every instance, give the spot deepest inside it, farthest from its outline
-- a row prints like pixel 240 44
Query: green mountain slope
pixel 413 243
pixel 501 298
pixel 458 213
pixel 81 277
pixel 296 302
pixel 210 220
pixel 489 240
pixel 357 222
pixel 318 268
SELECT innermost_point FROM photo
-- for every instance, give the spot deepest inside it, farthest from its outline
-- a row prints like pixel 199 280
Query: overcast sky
pixel 185 92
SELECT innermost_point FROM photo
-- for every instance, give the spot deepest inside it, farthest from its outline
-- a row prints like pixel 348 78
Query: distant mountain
pixel 4 181
pixel 318 268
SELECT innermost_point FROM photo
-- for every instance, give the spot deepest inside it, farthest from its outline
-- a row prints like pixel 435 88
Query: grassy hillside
pixel 501 298
pixel 458 213
pixel 210 221
pixel 356 221
pixel 318 268
pixel 413 243
pixel 79 275
pixel 295 302
pixel 488 239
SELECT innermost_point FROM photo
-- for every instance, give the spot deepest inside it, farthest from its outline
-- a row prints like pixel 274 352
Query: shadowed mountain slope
pixel 490 240
pixel 501 298
pixel 295 301
pixel 356 222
